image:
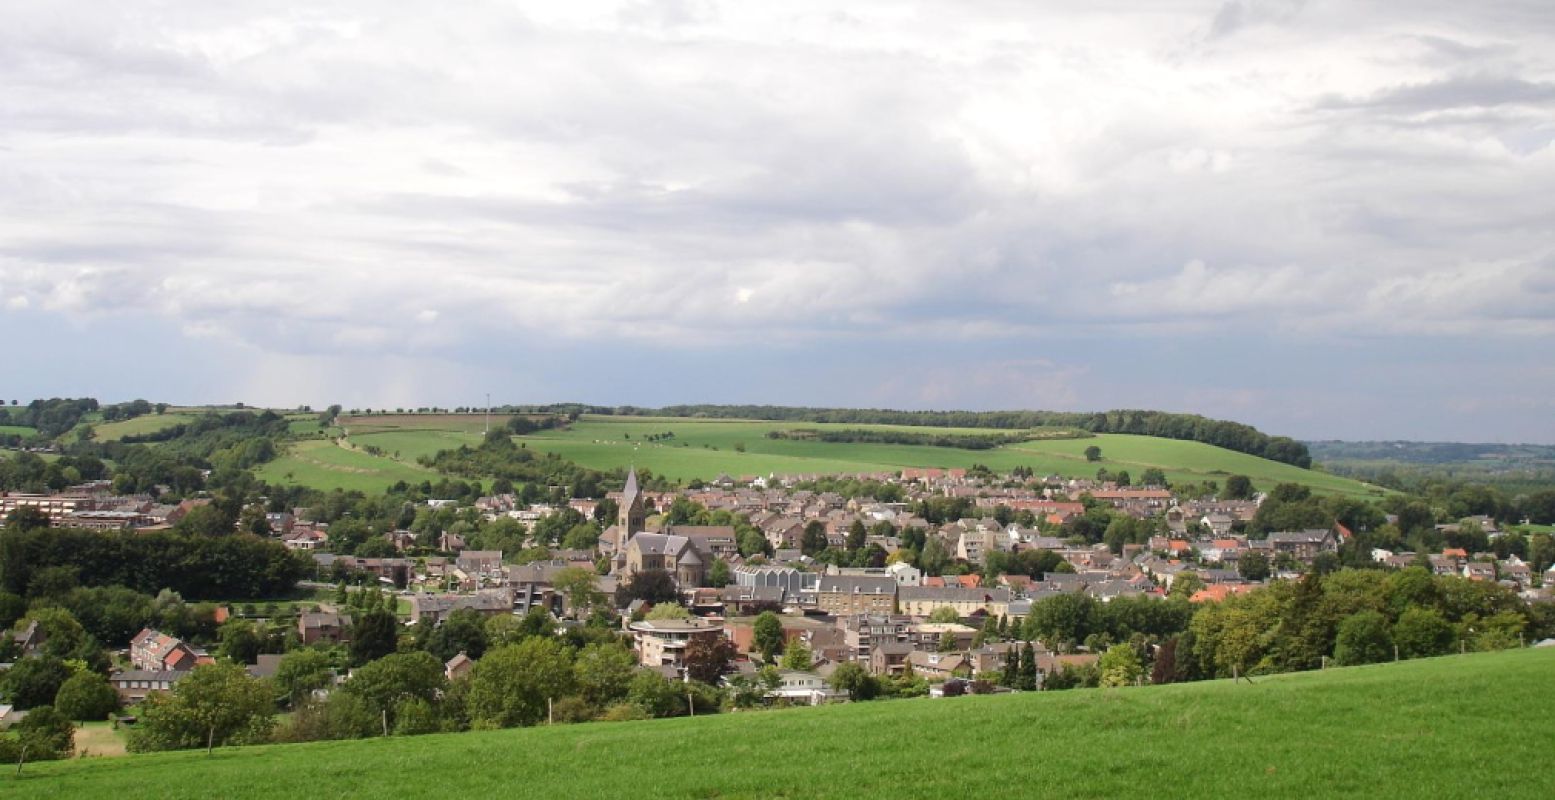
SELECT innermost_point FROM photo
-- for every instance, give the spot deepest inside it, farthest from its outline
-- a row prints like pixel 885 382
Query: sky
pixel 1329 219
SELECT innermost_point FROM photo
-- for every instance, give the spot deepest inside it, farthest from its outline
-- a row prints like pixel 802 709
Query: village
pixel 950 627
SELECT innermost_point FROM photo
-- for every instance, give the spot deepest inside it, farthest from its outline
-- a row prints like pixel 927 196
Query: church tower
pixel 632 518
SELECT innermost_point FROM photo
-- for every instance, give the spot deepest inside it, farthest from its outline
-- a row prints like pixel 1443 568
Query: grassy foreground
pixel 1467 726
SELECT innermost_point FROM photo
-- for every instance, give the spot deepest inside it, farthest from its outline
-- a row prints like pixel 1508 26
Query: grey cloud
pixel 319 179
pixel 1468 91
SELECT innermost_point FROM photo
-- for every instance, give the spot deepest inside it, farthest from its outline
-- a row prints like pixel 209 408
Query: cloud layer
pixel 934 185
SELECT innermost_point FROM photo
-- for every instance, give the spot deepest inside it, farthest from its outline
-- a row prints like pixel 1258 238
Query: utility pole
pixel 488 412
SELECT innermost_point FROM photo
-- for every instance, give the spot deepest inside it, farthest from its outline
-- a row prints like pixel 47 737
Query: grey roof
pixel 660 543
pixel 168 675
pixel 266 665
pixel 954 594
pixel 630 491
pixel 1311 536
pixel 857 584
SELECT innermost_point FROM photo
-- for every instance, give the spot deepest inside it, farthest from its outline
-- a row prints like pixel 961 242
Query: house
pixel 745 599
pixel 1444 565
pixel 1304 545
pixel 931 635
pixel 662 642
pixel 1479 571
pixel 889 658
pixel 324 626
pixel 805 687
pixel 711 541
pixel 437 607
pixel 480 562
pixel 904 573
pixel 990 657
pixel 856 594
pixel 30 638
pixel 863 633
pixel 135 685
pixel 265 666
pixel 921 601
pixel 458 666
pixel 742 631
pixel 939 666
pixel 153 650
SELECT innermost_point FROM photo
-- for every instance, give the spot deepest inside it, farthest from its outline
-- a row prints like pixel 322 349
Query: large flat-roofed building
pixel 662 642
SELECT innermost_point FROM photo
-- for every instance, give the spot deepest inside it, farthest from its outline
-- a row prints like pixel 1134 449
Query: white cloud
pixel 303 178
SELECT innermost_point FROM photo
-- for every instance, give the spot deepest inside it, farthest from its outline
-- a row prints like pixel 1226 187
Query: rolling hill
pixel 704 448
pixel 1463 726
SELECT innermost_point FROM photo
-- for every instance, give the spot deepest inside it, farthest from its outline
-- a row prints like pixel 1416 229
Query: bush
pixel 623 712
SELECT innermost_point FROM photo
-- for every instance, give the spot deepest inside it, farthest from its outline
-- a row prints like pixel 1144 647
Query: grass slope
pixel 322 464
pixel 1467 726
pixel 704 448
pixel 139 426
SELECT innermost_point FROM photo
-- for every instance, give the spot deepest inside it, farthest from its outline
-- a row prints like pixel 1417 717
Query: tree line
pixel 195 566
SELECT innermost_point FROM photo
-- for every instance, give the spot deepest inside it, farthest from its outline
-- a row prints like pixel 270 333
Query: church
pixel 638 550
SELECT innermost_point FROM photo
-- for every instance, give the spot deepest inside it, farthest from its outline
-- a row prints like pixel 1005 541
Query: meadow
pixel 17 430
pixel 138 426
pixel 322 464
pixel 1461 726
pixel 704 448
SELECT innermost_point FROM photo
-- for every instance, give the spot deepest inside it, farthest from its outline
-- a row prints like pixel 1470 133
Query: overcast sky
pixel 1329 219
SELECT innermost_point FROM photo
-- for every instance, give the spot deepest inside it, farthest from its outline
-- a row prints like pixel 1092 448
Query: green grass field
pixel 1468 726
pixel 17 430
pixel 150 423
pixel 705 448
pixel 322 464
pixel 453 423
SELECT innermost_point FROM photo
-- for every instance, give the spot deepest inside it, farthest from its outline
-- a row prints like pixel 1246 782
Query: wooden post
pixel 690 703
pixel 385 713
pixel 21 759
pixel 550 712
pixel 210 738
pixel 1395 652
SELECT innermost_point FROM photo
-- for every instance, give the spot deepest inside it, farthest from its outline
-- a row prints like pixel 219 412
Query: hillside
pixel 1465 726
pixel 704 448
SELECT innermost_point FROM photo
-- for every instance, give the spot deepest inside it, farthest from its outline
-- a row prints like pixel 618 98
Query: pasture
pixel 323 464
pixel 686 448
pixel 1460 726
pixel 138 426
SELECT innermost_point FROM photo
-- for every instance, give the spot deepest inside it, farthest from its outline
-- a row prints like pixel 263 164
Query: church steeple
pixel 631 517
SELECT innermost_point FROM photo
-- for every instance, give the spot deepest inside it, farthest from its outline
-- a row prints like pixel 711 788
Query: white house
pixel 804 687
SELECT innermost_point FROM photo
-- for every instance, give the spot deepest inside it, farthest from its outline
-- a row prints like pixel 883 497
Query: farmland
pixel 704 448
pixel 322 464
pixel 138 426
pixel 1460 726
